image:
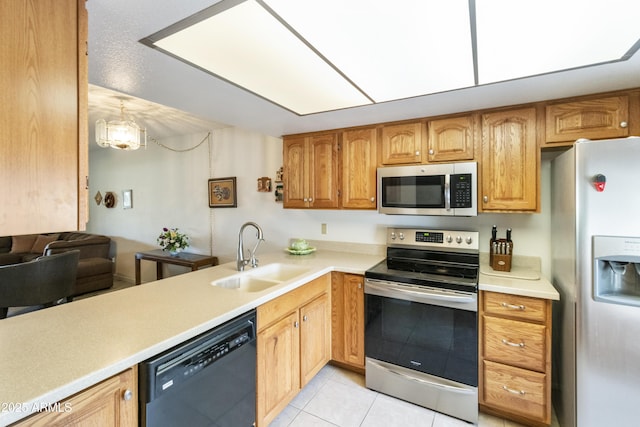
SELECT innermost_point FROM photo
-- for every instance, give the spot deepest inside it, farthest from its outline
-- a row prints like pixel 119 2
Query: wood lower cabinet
pixel 515 357
pixel 311 171
pixel 452 139
pixel 510 162
pixel 113 402
pixel 347 313
pixel 600 118
pixel 359 164
pixel 43 116
pixel 294 343
pixel 402 143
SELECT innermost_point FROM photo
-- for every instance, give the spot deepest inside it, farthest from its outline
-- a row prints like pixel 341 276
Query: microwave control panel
pixel 461 190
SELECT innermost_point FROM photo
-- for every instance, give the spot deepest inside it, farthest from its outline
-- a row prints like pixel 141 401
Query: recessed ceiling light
pixel 322 55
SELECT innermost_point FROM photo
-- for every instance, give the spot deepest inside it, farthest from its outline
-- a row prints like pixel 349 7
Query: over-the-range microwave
pixel 448 189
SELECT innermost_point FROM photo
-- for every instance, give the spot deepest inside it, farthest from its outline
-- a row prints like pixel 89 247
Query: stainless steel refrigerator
pixel 595 245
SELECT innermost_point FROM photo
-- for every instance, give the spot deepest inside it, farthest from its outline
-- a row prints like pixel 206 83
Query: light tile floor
pixel 339 398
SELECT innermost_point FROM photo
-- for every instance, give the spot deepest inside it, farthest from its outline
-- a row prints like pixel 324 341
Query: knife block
pixel 497 260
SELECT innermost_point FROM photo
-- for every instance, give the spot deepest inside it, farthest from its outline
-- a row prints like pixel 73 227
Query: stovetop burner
pixel 430 258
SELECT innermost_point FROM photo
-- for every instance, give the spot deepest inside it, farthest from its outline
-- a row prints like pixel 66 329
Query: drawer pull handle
pixel 513 306
pixel 513 344
pixel 519 392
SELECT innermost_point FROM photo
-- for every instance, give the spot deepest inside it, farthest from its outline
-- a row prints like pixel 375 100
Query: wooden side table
pixel 185 259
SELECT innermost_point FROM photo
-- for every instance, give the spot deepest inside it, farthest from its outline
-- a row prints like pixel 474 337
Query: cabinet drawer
pixel 516 390
pixel 515 343
pixel 516 306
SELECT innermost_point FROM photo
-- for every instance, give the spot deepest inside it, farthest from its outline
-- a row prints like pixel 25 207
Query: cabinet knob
pixel 624 124
pixel 305 200
pixel 485 199
pixel 431 151
pixel 373 199
pixel 304 318
pixel 417 153
pixel 127 395
pixel 359 285
pixel 295 324
pixel 310 199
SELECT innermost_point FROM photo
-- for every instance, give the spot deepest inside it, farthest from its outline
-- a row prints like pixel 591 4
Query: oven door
pixel 429 330
pixel 421 346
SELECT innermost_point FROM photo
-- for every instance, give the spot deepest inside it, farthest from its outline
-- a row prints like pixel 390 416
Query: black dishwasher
pixel 209 380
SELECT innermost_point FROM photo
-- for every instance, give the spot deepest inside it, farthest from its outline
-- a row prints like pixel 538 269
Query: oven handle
pixel 423 381
pixel 388 288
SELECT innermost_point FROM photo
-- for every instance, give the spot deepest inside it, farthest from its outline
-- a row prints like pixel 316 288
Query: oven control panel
pixel 433 238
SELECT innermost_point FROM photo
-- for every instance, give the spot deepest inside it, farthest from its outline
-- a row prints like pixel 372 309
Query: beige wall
pixel 170 190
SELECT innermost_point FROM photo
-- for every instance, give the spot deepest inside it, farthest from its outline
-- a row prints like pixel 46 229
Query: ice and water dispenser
pixel 616 275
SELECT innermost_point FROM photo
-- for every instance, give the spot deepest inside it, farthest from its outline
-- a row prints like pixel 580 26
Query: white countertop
pixel 523 279
pixel 48 355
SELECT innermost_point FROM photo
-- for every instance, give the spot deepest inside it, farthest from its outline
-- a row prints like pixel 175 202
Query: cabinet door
pixel 402 143
pixel 592 119
pixel 359 169
pixel 278 367
pixel 295 176
pixel 353 318
pixel 315 337
pixel 113 402
pixel 43 91
pixel 451 139
pixel 509 161
pixel 323 171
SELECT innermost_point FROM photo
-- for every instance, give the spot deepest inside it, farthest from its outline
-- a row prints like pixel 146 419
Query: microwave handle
pixel 447 192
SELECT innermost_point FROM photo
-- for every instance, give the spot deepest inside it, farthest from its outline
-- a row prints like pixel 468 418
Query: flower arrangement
pixel 173 241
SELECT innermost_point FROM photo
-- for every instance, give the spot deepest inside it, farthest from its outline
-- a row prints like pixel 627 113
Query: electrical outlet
pixel 323 228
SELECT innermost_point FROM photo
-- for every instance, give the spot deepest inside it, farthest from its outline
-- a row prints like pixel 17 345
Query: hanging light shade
pixel 120 134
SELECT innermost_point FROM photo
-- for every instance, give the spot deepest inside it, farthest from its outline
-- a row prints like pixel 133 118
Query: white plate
pixel 300 251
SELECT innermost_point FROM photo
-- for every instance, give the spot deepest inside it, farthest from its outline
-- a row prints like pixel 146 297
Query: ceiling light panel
pixel 390 50
pixel 524 38
pixel 247 46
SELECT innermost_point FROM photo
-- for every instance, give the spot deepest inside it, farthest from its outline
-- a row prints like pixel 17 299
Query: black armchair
pixel 43 281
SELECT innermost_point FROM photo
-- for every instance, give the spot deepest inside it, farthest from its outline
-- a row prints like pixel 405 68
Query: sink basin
pixel 261 278
pixel 245 283
pixel 278 271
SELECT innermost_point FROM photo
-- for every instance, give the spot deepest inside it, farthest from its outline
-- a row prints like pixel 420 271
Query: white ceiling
pixel 118 61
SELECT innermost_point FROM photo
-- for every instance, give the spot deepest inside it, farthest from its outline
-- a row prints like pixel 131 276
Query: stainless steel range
pixel 421 330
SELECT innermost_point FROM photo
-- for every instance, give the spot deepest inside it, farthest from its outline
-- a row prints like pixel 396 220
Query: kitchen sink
pixel 261 278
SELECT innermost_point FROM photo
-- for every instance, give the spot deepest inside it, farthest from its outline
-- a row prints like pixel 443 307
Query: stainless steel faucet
pixel 240 261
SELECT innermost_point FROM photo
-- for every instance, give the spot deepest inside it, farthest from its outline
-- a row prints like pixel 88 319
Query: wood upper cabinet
pixel 515 357
pixel 111 403
pixel 311 171
pixel 510 161
pixel 402 143
pixel 359 160
pixel 43 116
pixel 293 344
pixel 347 308
pixel 593 119
pixel 451 139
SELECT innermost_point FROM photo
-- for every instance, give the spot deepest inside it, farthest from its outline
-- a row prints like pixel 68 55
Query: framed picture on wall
pixel 222 193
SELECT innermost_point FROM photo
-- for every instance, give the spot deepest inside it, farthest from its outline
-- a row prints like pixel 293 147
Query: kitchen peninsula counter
pixel 51 354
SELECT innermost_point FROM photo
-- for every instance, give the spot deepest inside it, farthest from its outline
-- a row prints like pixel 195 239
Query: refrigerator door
pixel 607 335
